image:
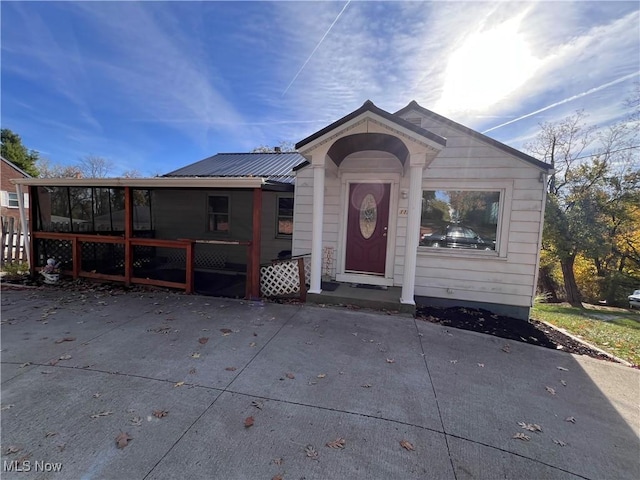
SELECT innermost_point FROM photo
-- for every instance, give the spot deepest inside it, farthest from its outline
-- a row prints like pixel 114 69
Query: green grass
pixel 614 330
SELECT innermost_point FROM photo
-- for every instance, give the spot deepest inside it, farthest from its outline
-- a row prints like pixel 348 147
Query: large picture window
pixel 459 219
pixel 285 216
pixel 218 214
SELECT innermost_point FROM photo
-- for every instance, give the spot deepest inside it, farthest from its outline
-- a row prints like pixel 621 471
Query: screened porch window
pixel 459 219
pixel 218 214
pixel 285 216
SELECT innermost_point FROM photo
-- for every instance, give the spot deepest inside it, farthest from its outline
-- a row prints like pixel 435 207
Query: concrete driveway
pixel 80 368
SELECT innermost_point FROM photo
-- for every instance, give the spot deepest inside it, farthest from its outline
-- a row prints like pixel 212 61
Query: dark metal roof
pixel 413 105
pixel 273 167
pixel 369 106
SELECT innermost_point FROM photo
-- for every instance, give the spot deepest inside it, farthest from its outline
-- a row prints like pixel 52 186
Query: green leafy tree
pixel 14 151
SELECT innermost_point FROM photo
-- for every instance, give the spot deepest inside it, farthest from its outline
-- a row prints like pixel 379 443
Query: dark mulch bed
pixel 483 321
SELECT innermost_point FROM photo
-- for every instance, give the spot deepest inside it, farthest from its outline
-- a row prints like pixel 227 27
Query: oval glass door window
pixel 368 216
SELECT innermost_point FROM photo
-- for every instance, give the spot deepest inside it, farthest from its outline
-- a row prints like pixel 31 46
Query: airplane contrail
pixel 314 50
pixel 570 99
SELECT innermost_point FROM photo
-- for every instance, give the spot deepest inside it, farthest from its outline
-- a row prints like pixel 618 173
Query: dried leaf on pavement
pixel 136 421
pixel 101 414
pixel 66 339
pixel 195 355
pixel 96 395
pixel 277 477
pixel 337 443
pixel 231 369
pixel 390 360
pixel 563 369
pixel 277 461
pixel 311 452
pixel 256 404
pixel 481 365
pixel 12 449
pixel 50 434
pixel 532 427
pixel 506 348
pixel 321 375
pixel 203 340
pixel 522 436
pixel 366 385
pixel 290 376
pixel 25 364
pixel 564 384
pixel 226 331
pixel 407 445
pixel 65 357
pixel 570 419
pixel 122 440
pixel 160 413
pixel 552 391
pixel 559 442
pixel 248 422
pixel 7 407
pixel 252 344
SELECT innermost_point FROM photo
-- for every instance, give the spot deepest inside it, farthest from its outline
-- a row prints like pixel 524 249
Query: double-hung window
pixel 284 226
pixel 218 214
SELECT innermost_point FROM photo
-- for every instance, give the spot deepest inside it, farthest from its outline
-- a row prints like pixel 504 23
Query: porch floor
pixel 364 296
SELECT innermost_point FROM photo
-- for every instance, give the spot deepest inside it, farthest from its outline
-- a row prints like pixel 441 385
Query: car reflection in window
pixel 456 236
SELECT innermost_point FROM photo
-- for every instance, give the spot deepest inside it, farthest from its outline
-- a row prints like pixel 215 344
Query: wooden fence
pixel 12 242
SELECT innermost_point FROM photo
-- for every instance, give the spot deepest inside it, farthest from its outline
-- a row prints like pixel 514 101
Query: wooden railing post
pixel 190 274
pixel 128 233
pixel 302 277
pixel 76 248
pixel 248 284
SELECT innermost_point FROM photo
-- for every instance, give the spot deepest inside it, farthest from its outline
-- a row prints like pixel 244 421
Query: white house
pixel 417 201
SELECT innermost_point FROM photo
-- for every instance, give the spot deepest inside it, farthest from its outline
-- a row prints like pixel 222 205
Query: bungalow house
pixel 410 202
pixel 416 202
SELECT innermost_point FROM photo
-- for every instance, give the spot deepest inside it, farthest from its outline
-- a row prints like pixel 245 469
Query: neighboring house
pixel 378 188
pixel 8 196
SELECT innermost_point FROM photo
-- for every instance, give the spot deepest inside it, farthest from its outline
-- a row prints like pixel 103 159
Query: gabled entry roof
pixel 369 106
pixel 414 106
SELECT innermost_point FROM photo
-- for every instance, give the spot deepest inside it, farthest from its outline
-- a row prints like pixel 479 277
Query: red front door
pixel 367 225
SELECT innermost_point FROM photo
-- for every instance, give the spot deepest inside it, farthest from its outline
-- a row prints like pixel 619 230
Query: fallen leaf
pixel 65 357
pixel 61 447
pixel 256 404
pixel 366 385
pixel 481 365
pixel 50 434
pixel 179 384
pixel 321 375
pixel 231 369
pixel 559 442
pixel 248 422
pixel 564 384
pixel 226 331
pixel 101 414
pixel 12 449
pixel 563 369
pixel 277 477
pixel 160 413
pixel 66 339
pixel 252 344
pixel 390 360
pixel 290 376
pixel 53 362
pixel 311 452
pixel 122 440
pixel 192 371
pixel 407 445
pixel 195 355
pixel 96 395
pixel 203 340
pixel 25 364
pixel 7 407
pixel 136 421
pixel 277 461
pixel 506 348
pixel 552 391
pixel 532 427
pixel 522 436
pixel 453 361
pixel 337 443
pixel 570 419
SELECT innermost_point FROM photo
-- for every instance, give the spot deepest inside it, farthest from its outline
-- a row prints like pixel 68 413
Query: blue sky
pixel 158 85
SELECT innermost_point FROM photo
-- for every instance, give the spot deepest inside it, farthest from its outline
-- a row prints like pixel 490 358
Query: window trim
pixel 12 196
pixel 505 188
pixel 277 216
pixel 208 215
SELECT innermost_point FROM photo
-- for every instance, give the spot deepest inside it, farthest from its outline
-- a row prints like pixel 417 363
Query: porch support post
pixel 256 244
pixel 318 218
pixel 128 234
pixel 413 232
pixel 23 222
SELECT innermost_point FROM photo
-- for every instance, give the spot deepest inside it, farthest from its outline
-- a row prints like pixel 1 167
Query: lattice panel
pixel 282 278
pixel 307 270
pixel 202 259
pixel 60 250
pixel 102 257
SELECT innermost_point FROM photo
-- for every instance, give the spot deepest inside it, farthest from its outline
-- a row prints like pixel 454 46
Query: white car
pixel 634 299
